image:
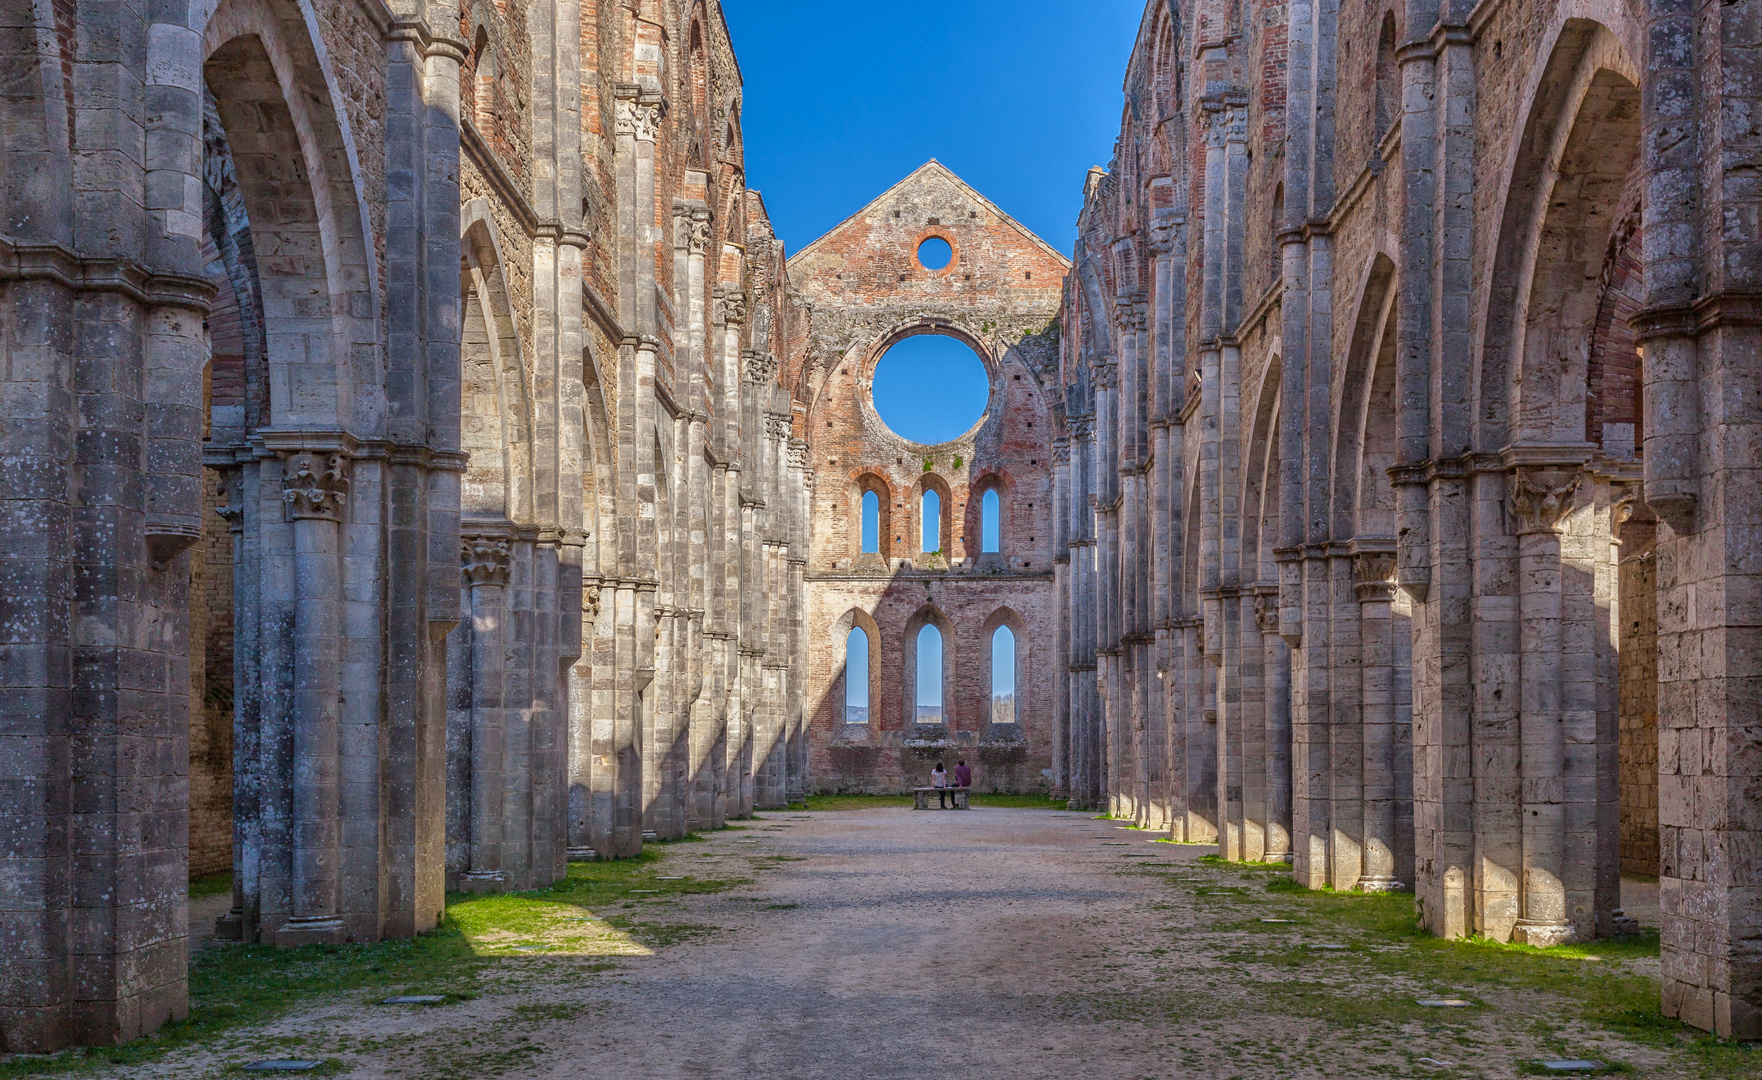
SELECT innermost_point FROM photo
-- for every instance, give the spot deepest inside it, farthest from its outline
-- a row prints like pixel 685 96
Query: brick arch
pixel 931 481
pixel 297 176
pixel 865 480
pixel 1003 482
pixel 855 618
pixel 927 615
pixel 1010 617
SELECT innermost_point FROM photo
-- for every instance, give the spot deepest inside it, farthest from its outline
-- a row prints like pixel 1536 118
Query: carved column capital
pixel 641 119
pixel 761 367
pixel 1373 575
pixel 1540 498
pixel 731 306
pixel 315 485
pixel 1266 613
pixel 486 559
pixel 699 238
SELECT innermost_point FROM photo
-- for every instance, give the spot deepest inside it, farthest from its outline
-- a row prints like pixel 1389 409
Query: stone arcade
pixel 423 468
pixel 1409 473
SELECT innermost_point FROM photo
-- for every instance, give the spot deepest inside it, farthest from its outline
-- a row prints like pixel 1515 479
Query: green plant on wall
pixel 929 463
pixel 957 461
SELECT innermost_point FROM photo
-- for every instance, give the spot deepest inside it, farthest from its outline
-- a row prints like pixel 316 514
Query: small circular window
pixel 935 253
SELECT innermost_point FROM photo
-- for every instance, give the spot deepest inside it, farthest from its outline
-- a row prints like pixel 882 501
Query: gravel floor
pixel 884 944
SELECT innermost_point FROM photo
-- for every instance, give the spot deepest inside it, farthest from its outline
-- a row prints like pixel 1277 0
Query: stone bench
pixel 921 797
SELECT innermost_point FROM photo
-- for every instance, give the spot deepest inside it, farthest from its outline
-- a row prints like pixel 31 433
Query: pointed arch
pixel 302 191
pixel 1008 621
pixel 496 428
pixel 940 690
pixel 1570 163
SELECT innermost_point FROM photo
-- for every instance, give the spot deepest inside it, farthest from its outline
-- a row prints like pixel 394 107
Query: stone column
pixel 1277 680
pixel 1373 573
pixel 486 573
pixel 315 488
pixel 1540 500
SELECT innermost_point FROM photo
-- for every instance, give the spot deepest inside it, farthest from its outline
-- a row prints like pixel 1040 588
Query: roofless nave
pixel 398 504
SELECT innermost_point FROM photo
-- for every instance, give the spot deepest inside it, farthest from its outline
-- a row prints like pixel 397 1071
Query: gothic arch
pixel 857 618
pixel 1005 616
pixel 931 481
pixel 1568 168
pixel 928 615
pixel 1364 427
pixel 497 421
pixel 863 481
pixel 273 89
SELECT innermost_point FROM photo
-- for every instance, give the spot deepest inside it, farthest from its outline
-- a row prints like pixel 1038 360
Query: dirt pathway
pixel 996 943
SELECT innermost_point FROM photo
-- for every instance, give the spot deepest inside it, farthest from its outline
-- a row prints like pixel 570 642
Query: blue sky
pixel 843 98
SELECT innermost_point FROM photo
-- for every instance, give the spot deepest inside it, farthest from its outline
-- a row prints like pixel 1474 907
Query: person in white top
pixel 939 781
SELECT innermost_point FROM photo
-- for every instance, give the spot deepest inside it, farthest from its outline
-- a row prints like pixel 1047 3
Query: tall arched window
pixel 932 515
pixel 929 710
pixel 1003 676
pixel 990 528
pixel 871 522
pixel 856 676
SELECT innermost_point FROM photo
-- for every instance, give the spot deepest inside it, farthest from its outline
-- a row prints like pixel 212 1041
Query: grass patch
pixel 237 986
pixel 212 885
pixel 1596 980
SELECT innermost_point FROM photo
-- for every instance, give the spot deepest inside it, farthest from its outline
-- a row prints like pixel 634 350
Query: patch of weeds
pixel 212 885
pixel 780 907
pixel 236 986
pixel 661 935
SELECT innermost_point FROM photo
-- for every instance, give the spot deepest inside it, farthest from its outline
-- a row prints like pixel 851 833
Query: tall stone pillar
pixel 1540 500
pixel 486 574
pixel 1383 869
pixel 315 489
pixel 1276 677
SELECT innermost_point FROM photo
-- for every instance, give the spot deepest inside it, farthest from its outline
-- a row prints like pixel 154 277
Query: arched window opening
pixel 871 522
pixel 932 515
pixel 856 676
pixel 990 527
pixel 929 707
pixel 1387 76
pixel 1003 676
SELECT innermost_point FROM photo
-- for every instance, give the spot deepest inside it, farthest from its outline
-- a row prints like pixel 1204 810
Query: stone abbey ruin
pixel 426 467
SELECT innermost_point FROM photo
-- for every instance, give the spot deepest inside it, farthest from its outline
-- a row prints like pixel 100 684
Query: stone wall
pixel 861 289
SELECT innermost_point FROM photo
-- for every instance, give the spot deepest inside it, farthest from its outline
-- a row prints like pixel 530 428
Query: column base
pixel 1544 935
pixel 308 930
pixel 582 854
pixel 481 881
pixel 231 926
pixel 1382 885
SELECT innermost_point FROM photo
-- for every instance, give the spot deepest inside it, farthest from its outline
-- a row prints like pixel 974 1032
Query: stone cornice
pixel 66 267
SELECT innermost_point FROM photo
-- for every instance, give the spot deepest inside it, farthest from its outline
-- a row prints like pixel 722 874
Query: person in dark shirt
pixel 963 775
